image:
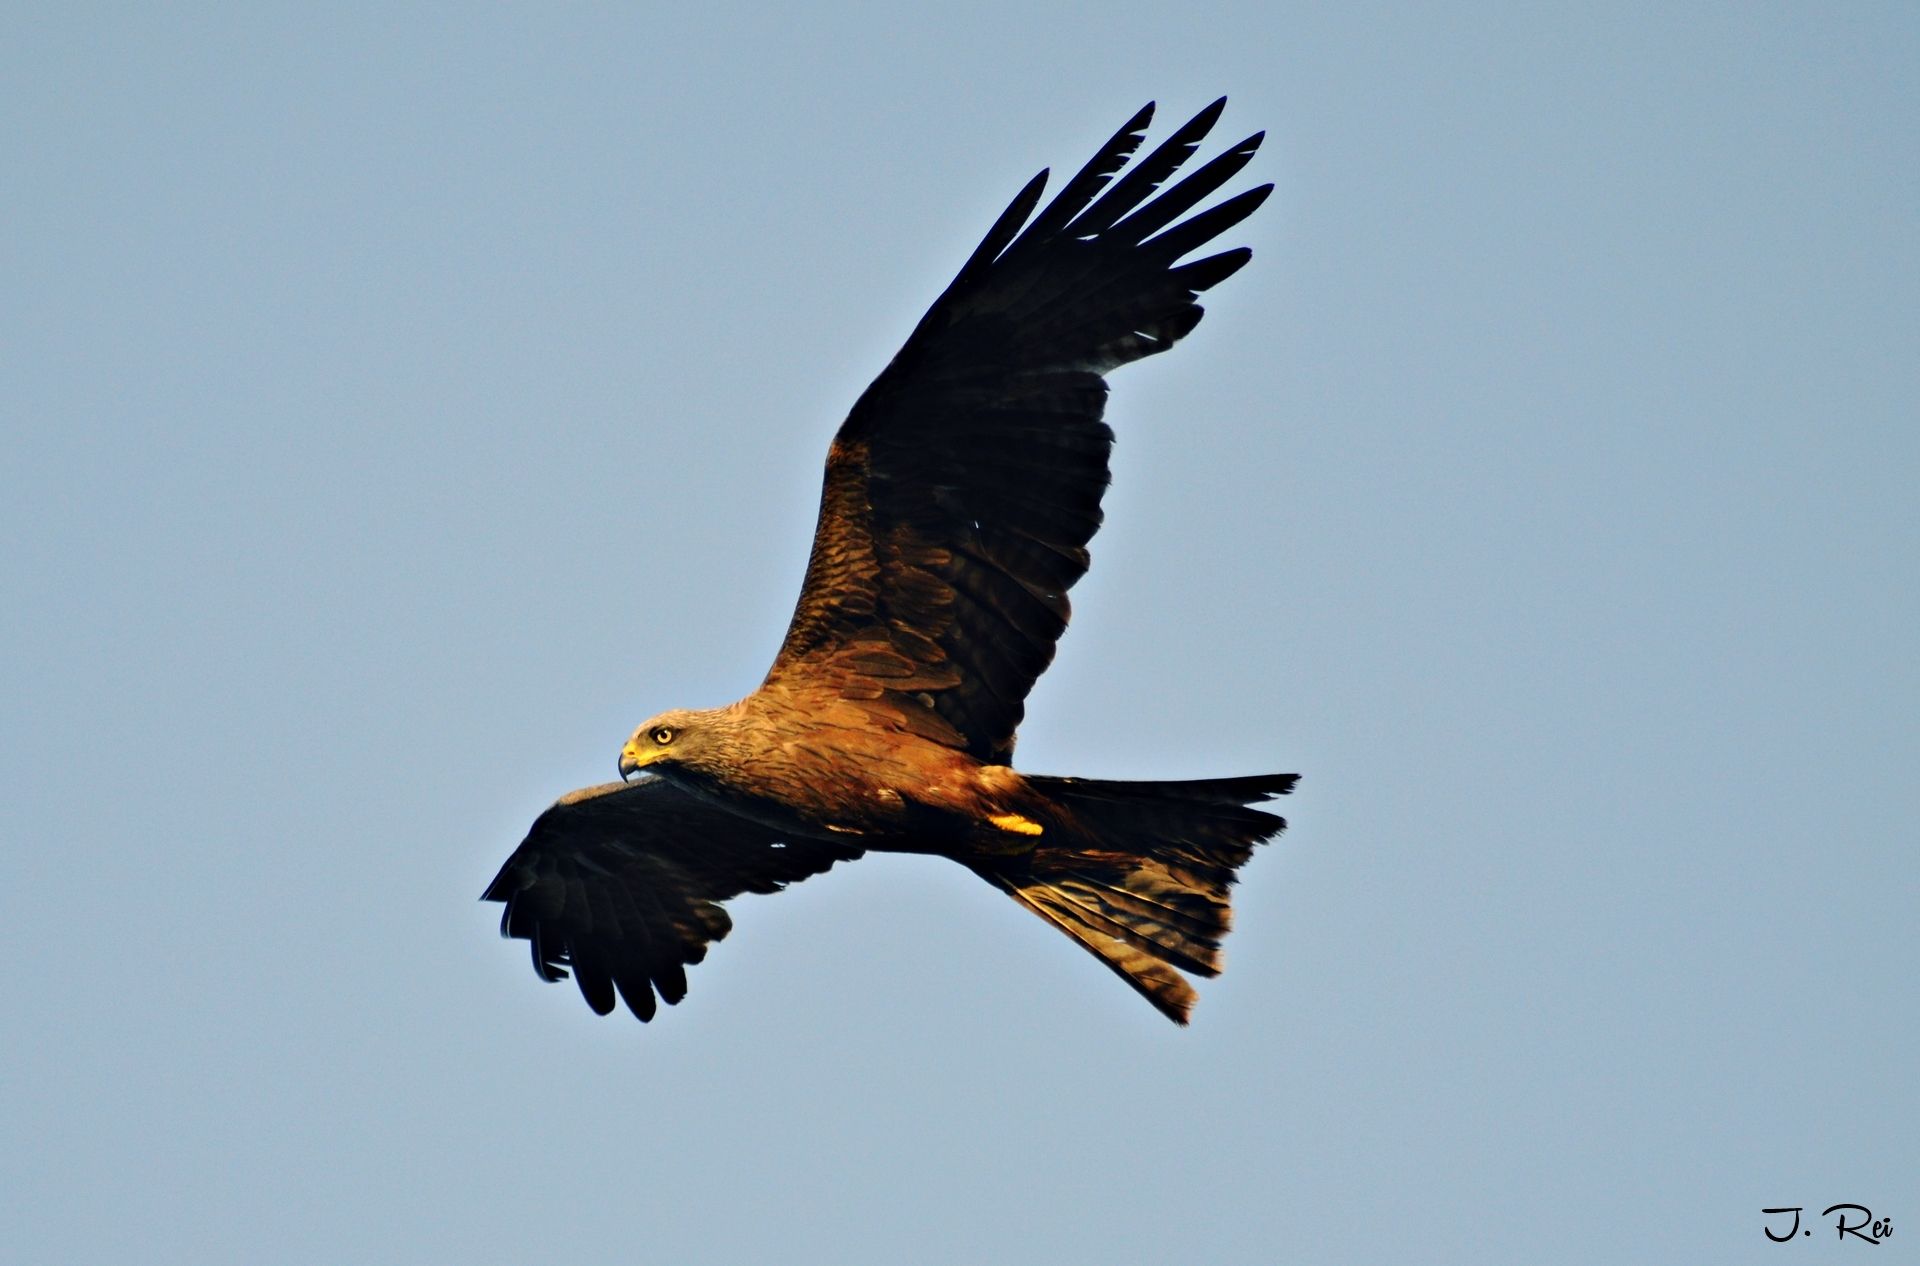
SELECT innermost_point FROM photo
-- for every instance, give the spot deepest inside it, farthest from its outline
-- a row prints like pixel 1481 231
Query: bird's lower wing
pixel 621 886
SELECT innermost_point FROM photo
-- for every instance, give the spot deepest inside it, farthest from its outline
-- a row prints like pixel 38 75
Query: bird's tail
pixel 1138 872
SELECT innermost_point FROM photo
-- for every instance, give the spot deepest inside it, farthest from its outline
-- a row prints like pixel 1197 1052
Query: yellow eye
pixel 663 736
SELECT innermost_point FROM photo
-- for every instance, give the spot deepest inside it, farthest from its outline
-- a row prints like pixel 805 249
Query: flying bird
pixel 960 495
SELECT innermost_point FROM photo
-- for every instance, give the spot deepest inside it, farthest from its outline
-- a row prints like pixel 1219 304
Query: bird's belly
pixel 934 800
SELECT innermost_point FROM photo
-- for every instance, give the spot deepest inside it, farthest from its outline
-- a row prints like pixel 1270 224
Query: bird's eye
pixel 663 735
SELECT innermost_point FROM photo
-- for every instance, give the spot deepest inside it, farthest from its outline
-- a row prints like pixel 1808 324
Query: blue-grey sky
pixel 403 402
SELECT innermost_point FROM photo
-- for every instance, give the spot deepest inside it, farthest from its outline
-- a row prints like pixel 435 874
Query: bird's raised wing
pixel 963 488
pixel 622 884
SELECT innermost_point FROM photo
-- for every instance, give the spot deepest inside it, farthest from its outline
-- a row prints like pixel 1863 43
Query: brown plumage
pixel 960 496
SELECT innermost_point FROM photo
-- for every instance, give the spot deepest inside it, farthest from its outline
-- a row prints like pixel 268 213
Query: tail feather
pixel 1158 983
pixel 1138 872
pixel 1186 939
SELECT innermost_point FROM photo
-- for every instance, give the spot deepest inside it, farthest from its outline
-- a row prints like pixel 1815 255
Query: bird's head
pixel 667 738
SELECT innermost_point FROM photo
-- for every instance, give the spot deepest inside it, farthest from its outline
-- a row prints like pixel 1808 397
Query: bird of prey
pixel 960 496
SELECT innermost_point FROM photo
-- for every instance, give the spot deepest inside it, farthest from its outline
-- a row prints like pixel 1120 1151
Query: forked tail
pixel 1138 872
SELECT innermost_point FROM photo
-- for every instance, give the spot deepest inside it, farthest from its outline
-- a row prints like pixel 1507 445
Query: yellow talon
pixel 1015 823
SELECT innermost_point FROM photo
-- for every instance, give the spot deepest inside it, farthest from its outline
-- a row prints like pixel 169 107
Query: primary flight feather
pixel 960 496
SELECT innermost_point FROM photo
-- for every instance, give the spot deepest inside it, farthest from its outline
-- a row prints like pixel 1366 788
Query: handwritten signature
pixel 1864 1227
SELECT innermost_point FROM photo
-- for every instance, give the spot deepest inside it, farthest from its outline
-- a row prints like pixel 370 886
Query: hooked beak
pixel 631 760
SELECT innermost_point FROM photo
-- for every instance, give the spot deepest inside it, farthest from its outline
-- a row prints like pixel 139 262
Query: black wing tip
pixel 545 966
pixel 1271 785
pixel 1091 203
pixel 1211 112
pixel 1138 201
pixel 1204 274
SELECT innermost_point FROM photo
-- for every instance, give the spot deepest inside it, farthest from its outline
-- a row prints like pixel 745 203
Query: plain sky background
pixel 403 402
